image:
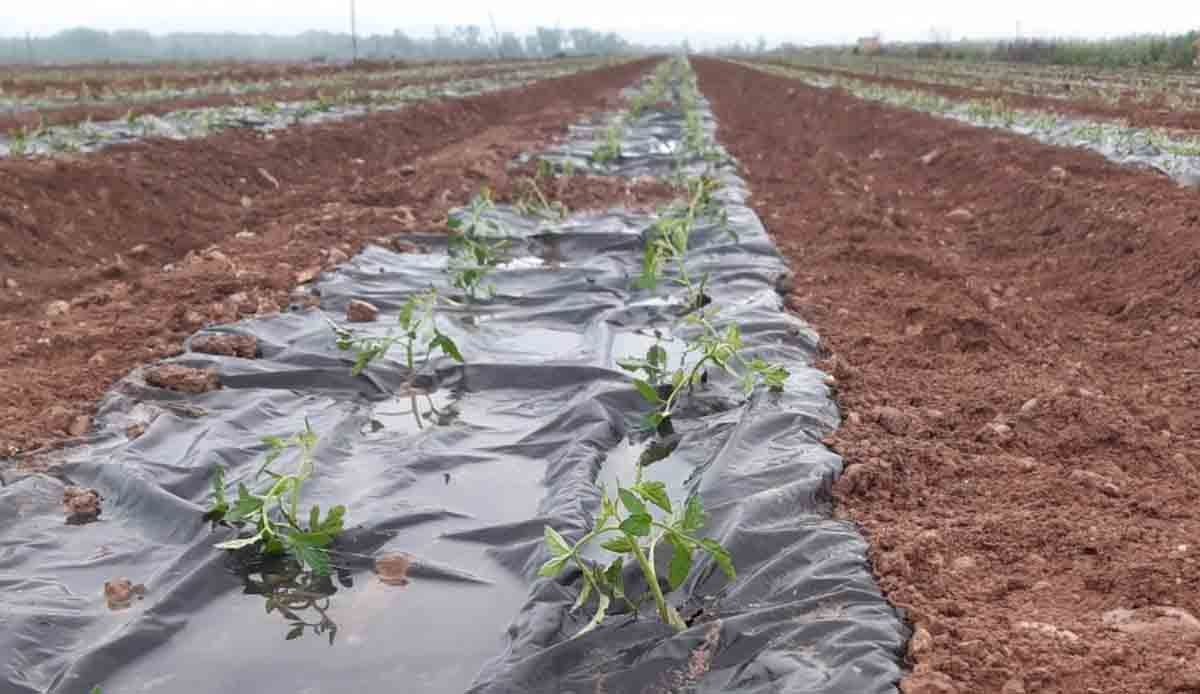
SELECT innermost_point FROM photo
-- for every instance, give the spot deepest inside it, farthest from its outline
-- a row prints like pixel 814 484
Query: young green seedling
pixel 474 250
pixel 610 149
pixel 274 512
pixel 418 328
pixel 630 531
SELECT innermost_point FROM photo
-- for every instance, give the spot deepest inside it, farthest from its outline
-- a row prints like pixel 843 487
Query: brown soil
pixel 1014 329
pixel 23 80
pixel 1140 115
pixel 117 111
pixel 144 244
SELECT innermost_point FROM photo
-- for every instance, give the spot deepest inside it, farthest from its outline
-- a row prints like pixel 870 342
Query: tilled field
pixel 1132 107
pixel 1010 330
pixel 111 259
pixel 1013 331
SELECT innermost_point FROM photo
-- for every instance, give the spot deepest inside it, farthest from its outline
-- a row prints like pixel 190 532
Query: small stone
pixel 337 256
pixel 135 430
pixel 1058 173
pixel 893 420
pixel 10 283
pixel 55 309
pixel 359 311
pixel 247 202
pixel 961 214
pixel 392 569
pixel 854 419
pixel 1029 406
pixel 1154 620
pixel 875 155
pixel 1095 481
pixel 80 425
pixel 964 563
pixel 995 432
pixel 184 379
pixel 119 593
pixel 139 250
pixel 931 157
pixel 307 275
pixel 81 505
pixel 1027 464
pixel 244 346
pixel 920 644
pixel 245 235
pixel 1014 686
pixel 1049 630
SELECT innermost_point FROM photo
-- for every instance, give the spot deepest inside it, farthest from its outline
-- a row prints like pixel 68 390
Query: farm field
pixel 1012 328
pixel 1141 98
pixel 902 402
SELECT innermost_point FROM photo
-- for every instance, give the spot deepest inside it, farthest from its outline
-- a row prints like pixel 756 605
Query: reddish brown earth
pixel 1015 333
pixel 1137 114
pixel 117 257
pixel 25 80
pixel 117 111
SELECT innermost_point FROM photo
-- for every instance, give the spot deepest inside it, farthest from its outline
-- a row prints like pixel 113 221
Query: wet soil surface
pixel 1136 114
pixel 111 260
pixel 1014 330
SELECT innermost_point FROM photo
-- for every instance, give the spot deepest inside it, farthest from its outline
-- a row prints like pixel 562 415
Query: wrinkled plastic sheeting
pixel 513 440
pixel 191 124
pixel 1115 141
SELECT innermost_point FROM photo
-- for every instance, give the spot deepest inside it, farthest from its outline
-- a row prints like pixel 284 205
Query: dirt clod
pixel 184 379
pixel 81 505
pixel 120 593
pixel 359 311
pixel 226 344
pixel 392 569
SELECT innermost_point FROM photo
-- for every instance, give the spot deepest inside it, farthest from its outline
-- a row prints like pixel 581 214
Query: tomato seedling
pixel 274 512
pixel 634 536
pixel 417 326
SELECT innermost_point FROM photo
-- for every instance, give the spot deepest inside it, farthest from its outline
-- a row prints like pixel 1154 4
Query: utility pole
pixel 495 33
pixel 353 32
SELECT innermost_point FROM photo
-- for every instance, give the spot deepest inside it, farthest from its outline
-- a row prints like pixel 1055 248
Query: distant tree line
pixel 83 44
pixel 1171 51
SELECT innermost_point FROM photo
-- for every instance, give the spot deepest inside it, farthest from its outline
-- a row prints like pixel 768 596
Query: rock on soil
pixel 119 593
pixel 244 346
pixel 360 311
pixel 392 569
pixel 1153 620
pixel 81 505
pixel 184 379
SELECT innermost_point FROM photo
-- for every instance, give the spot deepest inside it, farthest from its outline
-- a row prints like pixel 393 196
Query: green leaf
pixel 332 525
pixel 631 502
pixel 247 505
pixel 681 564
pixel 295 632
pixel 614 577
pixel 554 567
pixel 721 556
pixel 620 545
pixel 556 543
pixel 447 346
pixel 637 525
pixel 656 493
pixel 633 365
pixel 657 356
pixel 406 313
pixel 648 392
pixel 694 517
pixel 218 485
pixel 309 549
pixel 454 222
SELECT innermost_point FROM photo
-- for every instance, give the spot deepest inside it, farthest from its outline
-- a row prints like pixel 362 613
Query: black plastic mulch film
pixel 514 439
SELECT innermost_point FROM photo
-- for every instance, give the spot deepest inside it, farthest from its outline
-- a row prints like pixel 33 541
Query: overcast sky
pixel 777 20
